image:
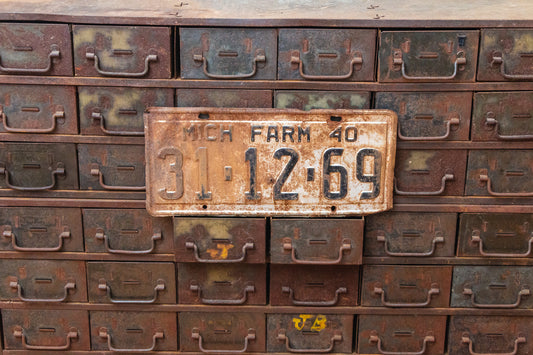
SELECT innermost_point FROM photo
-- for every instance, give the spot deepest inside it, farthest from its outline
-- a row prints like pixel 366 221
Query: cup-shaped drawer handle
pixel 459 60
pixel 476 238
pixel 445 178
pixel 8 233
pixel 59 170
pixel 103 333
pixel 194 287
pixel 197 336
pixel 100 235
pixel 249 245
pixel 282 336
pixel 485 178
pixel 345 245
pixel 452 121
pixel 490 120
pixel 465 339
pixel 434 290
pixel 356 60
pixel 97 115
pixel 54 53
pixel 95 171
pixel 18 332
pixel 383 239
pixel 374 338
pixel 103 286
pixel 90 54
pixel 70 285
pixel 497 59
pixel 58 114
pixel 334 301
pixel 259 58
pixel 524 292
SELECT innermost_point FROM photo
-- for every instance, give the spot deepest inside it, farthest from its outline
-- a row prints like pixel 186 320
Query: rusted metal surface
pixel 415 56
pixel 131 282
pixel 118 111
pixel 126 232
pixel 43 281
pixel 198 162
pixel 310 333
pixel 222 332
pixel 401 334
pixel 220 240
pixel 134 332
pixel 36 229
pixel 430 172
pixel 405 234
pixel 119 51
pixel 500 173
pixel 308 285
pixel 326 54
pixel 228 53
pixel 222 284
pixel 406 286
pixel 503 116
pixel 224 98
pixel 309 100
pixel 46 330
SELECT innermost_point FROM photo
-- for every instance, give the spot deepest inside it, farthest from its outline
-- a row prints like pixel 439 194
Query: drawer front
pixel 122 51
pixel 222 332
pixel 220 240
pixel 431 116
pixel 492 287
pixel 309 100
pixel 111 167
pixel 38 109
pixel 118 111
pixel 307 285
pixel 503 116
pixel 406 286
pixel 430 172
pixel 224 98
pixel 415 56
pixel 316 241
pixel 402 234
pixel 125 231
pixel 228 53
pixel 222 284
pixel 490 335
pixel 46 330
pixel 309 333
pixel 38 167
pixel 36 229
pixel 40 281
pixel 131 282
pixel 35 49
pixel 505 54
pixel 326 54
pixel 133 331
pixel 500 173
pixel 405 334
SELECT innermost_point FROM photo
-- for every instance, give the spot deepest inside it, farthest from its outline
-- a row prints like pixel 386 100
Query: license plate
pixel 272 162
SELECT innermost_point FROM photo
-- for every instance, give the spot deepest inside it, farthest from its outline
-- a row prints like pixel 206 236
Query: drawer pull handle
pixel 55 116
pixel 100 235
pixel 524 292
pixel 60 170
pixel 103 286
pixel 54 53
pixel 249 245
pixel 383 239
pixel 476 238
pixel 490 120
pixel 467 340
pixel 90 54
pixel 434 290
pixel 334 301
pixel 398 60
pixel 346 245
pixel 103 333
pixel 259 58
pixel 95 171
pixel 486 178
pixel 295 59
pixel 18 332
pixel 70 285
pixel 497 59
pixel 247 289
pixel 8 233
pixel 197 336
pixel 445 178
pixel 449 123
pixel 374 338
pixel 282 336
pixel 98 116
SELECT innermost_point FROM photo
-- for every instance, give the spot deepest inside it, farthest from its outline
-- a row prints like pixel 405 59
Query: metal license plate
pixel 269 161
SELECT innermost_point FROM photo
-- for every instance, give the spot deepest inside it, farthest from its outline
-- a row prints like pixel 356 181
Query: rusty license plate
pixel 269 161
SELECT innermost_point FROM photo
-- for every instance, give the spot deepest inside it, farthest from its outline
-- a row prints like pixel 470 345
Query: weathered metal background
pixel 309 100
pixel 224 98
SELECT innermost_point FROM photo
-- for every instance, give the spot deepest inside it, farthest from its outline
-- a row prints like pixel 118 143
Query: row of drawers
pixel 266 54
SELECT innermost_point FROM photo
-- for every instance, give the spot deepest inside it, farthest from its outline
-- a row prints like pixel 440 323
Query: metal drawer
pixel 308 100
pixel 224 98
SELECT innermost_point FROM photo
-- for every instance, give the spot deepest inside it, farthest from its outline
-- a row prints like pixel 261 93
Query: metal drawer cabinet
pixel 309 100
pixel 224 98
